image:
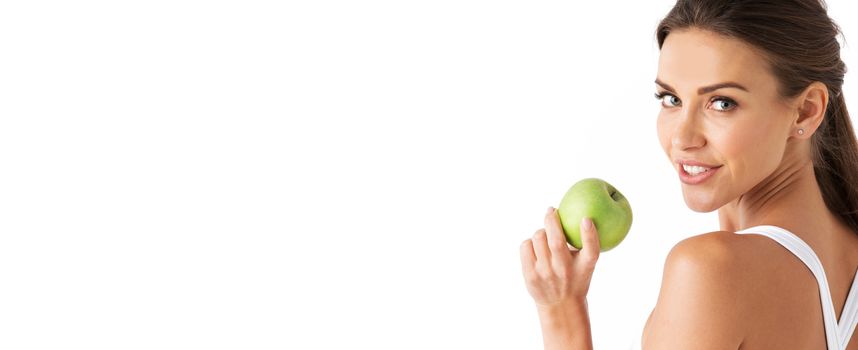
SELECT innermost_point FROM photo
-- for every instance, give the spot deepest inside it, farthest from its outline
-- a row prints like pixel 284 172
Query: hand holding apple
pixel 555 275
pixel 603 204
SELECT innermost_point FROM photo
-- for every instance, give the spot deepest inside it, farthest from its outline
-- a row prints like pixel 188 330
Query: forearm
pixel 566 327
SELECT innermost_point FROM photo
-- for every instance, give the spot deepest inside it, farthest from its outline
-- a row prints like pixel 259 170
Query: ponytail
pixel 834 151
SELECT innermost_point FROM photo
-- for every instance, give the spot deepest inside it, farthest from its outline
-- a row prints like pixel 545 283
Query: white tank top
pixel 837 333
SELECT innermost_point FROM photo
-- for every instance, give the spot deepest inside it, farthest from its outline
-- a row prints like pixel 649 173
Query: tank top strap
pixel 849 316
pixel 803 251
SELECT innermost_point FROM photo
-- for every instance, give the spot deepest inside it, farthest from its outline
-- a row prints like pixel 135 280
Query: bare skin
pixel 766 178
pixel 722 290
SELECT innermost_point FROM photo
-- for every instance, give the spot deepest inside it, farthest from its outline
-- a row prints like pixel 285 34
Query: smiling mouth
pixel 693 175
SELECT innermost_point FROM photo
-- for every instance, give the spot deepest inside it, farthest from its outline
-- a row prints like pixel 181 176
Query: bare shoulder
pixel 700 301
pixel 717 262
pixel 717 252
pixel 713 249
pixel 742 256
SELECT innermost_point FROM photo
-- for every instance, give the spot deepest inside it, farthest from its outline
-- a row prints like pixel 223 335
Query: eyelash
pixel 661 95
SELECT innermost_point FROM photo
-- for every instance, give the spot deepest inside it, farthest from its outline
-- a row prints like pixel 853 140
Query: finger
pixel 528 257
pixel 540 246
pixel 589 240
pixel 556 238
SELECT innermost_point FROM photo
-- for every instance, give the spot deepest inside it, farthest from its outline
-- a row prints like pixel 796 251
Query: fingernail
pixel 586 223
pixel 550 209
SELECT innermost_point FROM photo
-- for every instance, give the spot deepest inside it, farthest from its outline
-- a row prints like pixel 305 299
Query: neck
pixel 790 197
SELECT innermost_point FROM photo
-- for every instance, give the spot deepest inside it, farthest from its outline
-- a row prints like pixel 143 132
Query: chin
pixel 700 205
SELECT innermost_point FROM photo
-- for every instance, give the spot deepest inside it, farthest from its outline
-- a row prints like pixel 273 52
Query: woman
pixel 754 121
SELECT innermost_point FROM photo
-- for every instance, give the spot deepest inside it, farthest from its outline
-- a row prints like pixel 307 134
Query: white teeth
pixel 693 169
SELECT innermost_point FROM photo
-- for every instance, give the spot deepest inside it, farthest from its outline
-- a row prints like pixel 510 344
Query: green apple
pixel 604 204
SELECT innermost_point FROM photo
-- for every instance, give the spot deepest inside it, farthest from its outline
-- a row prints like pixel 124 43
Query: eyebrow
pixel 706 89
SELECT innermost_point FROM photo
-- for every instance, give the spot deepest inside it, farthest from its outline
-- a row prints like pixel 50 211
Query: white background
pixel 322 174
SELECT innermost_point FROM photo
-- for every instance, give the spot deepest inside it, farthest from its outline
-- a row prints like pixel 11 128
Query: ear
pixel 810 108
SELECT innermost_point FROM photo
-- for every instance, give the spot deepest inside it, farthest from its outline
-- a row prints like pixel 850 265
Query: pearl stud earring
pixel 801 131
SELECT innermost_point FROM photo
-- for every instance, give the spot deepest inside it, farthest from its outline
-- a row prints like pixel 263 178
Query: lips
pixel 689 179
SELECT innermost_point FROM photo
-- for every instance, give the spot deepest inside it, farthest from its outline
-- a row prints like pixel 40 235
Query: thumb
pixel 589 240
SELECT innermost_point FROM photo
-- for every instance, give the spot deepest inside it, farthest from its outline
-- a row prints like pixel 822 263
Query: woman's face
pixel 740 129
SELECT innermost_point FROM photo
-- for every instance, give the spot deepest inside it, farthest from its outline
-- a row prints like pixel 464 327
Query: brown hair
pixel 799 41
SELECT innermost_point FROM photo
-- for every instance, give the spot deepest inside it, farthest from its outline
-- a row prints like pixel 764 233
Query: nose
pixel 687 134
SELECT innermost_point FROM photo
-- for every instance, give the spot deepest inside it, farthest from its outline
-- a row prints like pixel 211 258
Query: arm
pixel 566 327
pixel 558 278
pixel 699 305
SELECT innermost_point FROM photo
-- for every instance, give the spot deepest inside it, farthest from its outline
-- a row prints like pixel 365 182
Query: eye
pixel 670 101
pixel 723 104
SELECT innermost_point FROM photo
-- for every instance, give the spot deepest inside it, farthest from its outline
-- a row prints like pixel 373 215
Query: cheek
pixel 735 146
pixel 750 154
pixel 662 128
